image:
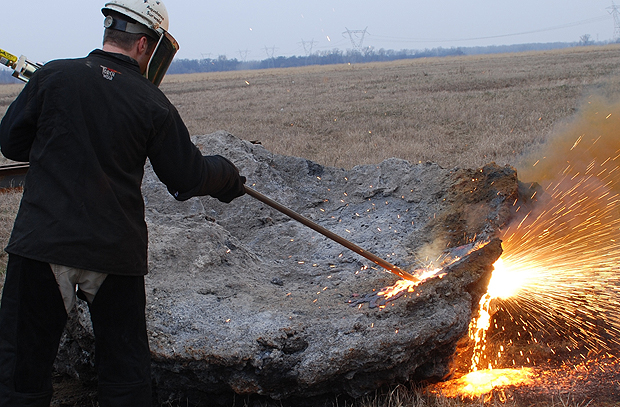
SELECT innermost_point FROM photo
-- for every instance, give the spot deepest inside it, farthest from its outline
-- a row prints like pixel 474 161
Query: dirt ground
pixel 70 392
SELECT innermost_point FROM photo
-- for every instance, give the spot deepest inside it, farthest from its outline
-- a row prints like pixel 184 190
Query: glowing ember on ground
pixel 481 382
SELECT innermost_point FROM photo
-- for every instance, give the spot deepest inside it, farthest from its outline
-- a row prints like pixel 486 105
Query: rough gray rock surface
pixel 242 299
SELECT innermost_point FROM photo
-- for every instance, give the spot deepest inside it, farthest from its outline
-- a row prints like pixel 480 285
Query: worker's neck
pixel 117 50
pixel 134 53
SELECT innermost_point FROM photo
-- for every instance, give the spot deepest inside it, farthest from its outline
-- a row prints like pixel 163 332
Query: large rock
pixel 243 299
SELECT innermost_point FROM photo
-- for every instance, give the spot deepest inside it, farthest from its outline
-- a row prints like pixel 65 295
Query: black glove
pixel 234 182
pixel 235 191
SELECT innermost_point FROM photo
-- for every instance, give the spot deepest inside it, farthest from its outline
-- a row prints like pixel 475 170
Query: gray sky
pixel 44 30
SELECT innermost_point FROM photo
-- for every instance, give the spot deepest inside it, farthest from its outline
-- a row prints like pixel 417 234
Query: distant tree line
pixel 336 56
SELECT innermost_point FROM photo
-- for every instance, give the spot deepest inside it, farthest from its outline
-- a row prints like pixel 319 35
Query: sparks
pixel 558 274
pixel 562 261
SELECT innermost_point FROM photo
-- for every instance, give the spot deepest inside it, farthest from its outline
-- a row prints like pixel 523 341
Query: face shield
pixel 161 59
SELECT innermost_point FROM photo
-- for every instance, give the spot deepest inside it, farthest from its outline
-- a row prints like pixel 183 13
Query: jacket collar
pixel 119 58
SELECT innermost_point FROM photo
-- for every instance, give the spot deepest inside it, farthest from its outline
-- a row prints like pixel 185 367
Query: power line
pixel 558 27
pixel 270 54
pixel 357 37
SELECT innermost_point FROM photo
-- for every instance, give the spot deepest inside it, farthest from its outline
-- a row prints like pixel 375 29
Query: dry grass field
pixel 457 111
pixel 462 111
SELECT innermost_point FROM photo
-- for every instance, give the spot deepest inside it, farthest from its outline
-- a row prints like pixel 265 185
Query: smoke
pixel 587 145
pixel 578 171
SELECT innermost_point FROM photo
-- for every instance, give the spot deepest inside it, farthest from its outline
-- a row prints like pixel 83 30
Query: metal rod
pixel 349 245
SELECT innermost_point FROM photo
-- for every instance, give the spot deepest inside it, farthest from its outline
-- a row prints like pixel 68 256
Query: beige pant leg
pixel 69 279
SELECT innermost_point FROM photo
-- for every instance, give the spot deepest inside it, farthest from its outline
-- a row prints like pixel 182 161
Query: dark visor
pixel 161 59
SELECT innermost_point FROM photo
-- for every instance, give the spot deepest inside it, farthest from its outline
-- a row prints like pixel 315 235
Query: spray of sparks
pixel 562 257
pixel 558 275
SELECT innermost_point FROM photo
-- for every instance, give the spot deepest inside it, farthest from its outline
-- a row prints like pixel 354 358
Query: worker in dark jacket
pixel 87 127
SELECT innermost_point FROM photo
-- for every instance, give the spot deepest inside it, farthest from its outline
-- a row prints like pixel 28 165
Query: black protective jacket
pixel 87 127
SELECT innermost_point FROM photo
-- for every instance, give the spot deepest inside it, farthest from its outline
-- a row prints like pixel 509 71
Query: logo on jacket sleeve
pixel 108 73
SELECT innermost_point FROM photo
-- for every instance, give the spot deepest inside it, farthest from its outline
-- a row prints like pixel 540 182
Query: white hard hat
pixel 151 18
pixel 151 13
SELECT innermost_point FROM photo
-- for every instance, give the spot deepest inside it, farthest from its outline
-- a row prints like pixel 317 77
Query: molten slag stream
pixel 558 275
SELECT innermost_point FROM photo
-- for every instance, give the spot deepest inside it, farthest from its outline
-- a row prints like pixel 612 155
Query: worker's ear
pixel 142 53
pixel 143 45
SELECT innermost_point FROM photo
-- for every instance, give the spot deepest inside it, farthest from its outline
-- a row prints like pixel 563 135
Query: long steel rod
pixel 349 245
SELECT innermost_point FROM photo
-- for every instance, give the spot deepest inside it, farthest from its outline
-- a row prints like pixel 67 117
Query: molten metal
pixel 481 382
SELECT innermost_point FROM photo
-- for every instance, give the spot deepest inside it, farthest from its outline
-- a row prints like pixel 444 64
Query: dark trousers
pixel 32 319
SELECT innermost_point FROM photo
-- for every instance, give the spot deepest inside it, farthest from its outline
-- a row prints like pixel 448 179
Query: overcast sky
pixel 253 30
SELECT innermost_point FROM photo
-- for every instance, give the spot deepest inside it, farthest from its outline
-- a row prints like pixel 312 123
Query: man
pixel 87 126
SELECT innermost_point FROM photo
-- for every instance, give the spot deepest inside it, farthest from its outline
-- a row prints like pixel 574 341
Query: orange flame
pixel 478 383
pixel 428 272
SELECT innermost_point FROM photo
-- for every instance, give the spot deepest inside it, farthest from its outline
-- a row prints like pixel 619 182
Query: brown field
pixel 463 111
pixel 457 111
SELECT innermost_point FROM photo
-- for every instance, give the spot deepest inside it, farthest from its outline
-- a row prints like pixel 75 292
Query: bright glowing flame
pixel 505 281
pixel 400 287
pixel 481 382
pixel 478 332
pixel 403 286
pixel 381 297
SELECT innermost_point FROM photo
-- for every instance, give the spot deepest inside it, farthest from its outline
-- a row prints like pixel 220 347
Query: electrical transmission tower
pixel 357 37
pixel 615 12
pixel 308 46
pixel 270 51
pixel 244 54
pixel 270 54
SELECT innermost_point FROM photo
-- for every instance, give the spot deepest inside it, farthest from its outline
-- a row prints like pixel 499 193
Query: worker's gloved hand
pixel 233 182
pixel 235 191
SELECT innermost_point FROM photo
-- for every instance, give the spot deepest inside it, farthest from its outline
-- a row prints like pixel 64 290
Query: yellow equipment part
pixel 7 59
